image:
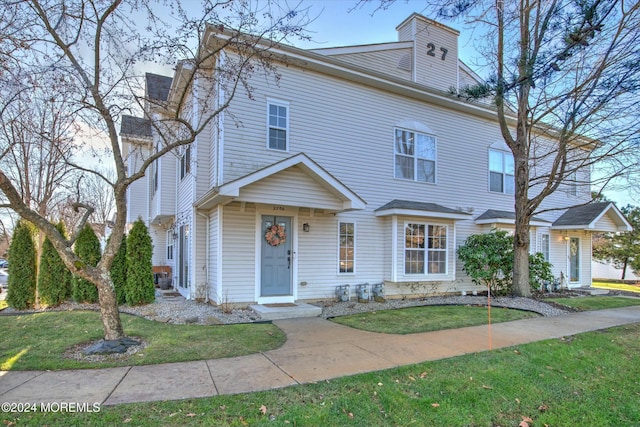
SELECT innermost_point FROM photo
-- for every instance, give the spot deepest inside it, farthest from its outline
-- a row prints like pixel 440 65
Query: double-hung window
pixel 545 246
pixel 415 156
pixel 278 124
pixel 347 237
pixel 425 249
pixel 185 162
pixel 169 245
pixel 501 172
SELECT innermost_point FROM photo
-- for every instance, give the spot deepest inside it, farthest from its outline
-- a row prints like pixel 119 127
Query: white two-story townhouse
pixel 358 167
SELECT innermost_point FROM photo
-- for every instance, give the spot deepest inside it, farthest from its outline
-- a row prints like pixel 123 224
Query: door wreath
pixel 275 235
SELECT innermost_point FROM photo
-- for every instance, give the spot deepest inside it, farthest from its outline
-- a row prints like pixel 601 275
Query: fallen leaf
pixel 411 378
pixel 8 423
pixel 527 419
pixel 523 424
pixel 423 375
pixel 244 423
pixel 543 408
pixel 516 351
pixel 263 409
pixel 191 415
pixel 350 414
pixel 380 384
pixel 127 420
pixel 487 387
pixel 517 401
pixel 223 407
pixel 435 405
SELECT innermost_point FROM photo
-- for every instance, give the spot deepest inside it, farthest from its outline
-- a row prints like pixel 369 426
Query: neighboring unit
pixel 359 166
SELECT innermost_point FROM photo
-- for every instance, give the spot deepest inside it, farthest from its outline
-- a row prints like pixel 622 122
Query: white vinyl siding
pixel 278 125
pixel 501 172
pixel 346 247
pixel 415 156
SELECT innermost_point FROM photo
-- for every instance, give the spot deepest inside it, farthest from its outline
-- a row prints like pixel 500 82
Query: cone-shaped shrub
pixel 22 268
pixel 54 278
pixel 87 247
pixel 119 272
pixel 140 288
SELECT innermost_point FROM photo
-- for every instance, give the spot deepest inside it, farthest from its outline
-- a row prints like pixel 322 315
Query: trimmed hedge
pixel 22 268
pixel 119 272
pixel 54 278
pixel 140 288
pixel 87 247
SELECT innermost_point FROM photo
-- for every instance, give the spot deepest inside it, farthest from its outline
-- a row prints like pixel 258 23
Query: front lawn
pixel 595 302
pixel 39 341
pixel 584 380
pixel 429 318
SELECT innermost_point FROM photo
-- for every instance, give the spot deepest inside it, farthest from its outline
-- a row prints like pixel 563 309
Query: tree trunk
pixel 109 310
pixel 521 286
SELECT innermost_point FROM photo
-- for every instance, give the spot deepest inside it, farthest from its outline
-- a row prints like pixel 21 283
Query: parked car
pixel 4 263
pixel 4 278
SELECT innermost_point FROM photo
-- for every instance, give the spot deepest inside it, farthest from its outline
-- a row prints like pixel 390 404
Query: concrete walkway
pixel 315 350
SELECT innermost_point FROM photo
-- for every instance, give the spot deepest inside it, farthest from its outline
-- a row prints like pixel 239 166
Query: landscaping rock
pixel 111 346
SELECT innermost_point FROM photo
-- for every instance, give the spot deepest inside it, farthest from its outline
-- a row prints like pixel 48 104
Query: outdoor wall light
pixel 305 227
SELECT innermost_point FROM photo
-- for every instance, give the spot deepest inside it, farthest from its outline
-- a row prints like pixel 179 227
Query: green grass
pixel 595 302
pixel 585 380
pixel 616 286
pixel 429 318
pixel 39 341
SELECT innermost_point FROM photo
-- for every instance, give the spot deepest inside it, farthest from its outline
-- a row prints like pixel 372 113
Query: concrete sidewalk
pixel 315 350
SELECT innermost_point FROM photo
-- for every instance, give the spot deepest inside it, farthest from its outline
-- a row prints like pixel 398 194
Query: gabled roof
pixel 230 190
pixel 136 127
pixel 592 217
pixel 492 216
pixel 158 86
pixel 422 209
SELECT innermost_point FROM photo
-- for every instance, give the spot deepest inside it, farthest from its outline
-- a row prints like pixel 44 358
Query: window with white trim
pixel 169 245
pixel 425 249
pixel 501 172
pixel 415 156
pixel 185 162
pixel 545 246
pixel 572 184
pixel 278 125
pixel 347 250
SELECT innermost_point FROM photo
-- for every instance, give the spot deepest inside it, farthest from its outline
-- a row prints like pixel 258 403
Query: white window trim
pixel 503 172
pixel 426 273
pixel 184 165
pixel 542 235
pixel 170 244
pixel 415 156
pixel 346 273
pixel 279 103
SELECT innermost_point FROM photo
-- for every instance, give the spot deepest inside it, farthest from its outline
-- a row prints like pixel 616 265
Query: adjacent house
pixel 358 167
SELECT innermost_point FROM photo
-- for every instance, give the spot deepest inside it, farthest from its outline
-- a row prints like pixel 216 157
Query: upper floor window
pixel 185 162
pixel 347 247
pixel 278 120
pixel 415 156
pixel 501 172
pixel 572 184
pixel 425 249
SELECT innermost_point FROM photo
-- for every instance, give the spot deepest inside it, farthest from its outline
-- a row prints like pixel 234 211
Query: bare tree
pixel 94 47
pixel 565 81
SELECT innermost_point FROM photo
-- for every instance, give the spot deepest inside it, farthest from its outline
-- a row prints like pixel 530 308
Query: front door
pixel 276 256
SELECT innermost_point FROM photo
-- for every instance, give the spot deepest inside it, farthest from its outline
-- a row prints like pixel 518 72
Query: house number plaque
pixel 278 208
